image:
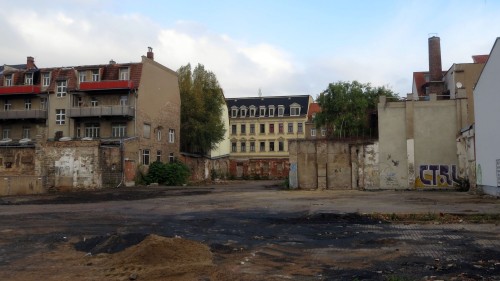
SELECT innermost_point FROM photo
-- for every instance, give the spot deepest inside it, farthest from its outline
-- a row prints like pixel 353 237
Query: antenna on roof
pixel 260 93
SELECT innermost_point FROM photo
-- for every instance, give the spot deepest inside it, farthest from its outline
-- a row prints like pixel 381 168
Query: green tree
pixel 347 108
pixel 202 101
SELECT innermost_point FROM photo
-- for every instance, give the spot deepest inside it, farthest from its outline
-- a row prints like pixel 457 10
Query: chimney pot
pixel 150 54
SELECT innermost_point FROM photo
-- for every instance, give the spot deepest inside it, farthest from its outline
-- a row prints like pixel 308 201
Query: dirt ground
pixel 249 231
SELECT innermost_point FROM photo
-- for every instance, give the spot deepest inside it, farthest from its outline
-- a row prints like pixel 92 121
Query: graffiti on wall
pixel 437 176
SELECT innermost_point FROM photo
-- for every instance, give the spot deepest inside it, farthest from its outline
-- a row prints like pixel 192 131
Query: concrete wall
pixel 73 165
pixel 487 99
pixel 324 164
pixel 418 143
pixel 276 168
pixel 203 168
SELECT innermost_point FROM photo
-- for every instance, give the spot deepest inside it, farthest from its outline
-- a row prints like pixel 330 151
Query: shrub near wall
pixel 170 174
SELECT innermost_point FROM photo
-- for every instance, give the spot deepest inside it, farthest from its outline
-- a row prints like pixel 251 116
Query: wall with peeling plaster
pixel 324 164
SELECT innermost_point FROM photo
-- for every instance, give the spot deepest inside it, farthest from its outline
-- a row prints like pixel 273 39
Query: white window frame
pixel 60 116
pixel 28 78
pixel 92 130
pixel 234 112
pixel 94 102
pixel 146 156
pixel 281 111
pixel 46 79
pixel 82 76
pixel 313 132
pixel 271 111
pixel 62 87
pixel 27 104
pixel 262 111
pixel 26 132
pixel 323 132
pixel 243 111
pixel 158 155
pixel 8 80
pixel 95 75
pixel 7 105
pixel 124 100
pixel 171 157
pixel 118 130
pixel 171 135
pixel 158 135
pixel 294 110
pixel 252 111
pixel 43 103
pixel 124 73
pixel 6 133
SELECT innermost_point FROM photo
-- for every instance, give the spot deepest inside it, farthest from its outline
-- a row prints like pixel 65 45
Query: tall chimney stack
pixel 150 54
pixel 436 83
pixel 30 63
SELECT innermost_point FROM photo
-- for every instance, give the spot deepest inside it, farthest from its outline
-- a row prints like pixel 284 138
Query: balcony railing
pixel 106 85
pixel 24 114
pixel 98 111
pixel 22 89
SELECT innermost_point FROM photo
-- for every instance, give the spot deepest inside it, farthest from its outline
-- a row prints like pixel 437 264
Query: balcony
pixel 22 89
pixel 24 114
pixel 106 85
pixel 99 111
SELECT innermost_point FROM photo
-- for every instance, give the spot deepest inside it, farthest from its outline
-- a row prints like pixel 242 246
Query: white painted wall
pixel 487 111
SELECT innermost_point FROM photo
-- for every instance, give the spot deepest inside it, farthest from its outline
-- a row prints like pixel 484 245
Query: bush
pixel 176 173
pixel 157 173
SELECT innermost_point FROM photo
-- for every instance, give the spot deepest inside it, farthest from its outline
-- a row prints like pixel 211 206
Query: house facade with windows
pixel 88 126
pixel 260 128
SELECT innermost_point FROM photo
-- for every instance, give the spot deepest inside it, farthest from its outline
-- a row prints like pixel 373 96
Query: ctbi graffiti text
pixel 437 175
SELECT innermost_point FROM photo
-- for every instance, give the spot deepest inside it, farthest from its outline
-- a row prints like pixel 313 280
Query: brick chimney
pixel 150 54
pixel 30 63
pixel 436 83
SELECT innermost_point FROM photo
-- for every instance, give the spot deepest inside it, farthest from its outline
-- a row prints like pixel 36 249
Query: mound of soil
pixel 158 250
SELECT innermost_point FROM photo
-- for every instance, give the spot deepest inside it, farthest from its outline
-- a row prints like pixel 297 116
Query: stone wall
pixel 259 168
pixel 203 168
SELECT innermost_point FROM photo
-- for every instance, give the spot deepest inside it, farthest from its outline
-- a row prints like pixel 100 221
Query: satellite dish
pixel 459 85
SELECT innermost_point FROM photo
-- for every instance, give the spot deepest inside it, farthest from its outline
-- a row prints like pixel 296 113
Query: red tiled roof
pixel 419 81
pixel 313 108
pixel 480 58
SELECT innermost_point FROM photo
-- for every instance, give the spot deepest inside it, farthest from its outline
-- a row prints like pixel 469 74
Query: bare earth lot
pixel 249 231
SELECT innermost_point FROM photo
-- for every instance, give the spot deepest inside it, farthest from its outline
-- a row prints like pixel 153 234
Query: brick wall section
pixel 259 168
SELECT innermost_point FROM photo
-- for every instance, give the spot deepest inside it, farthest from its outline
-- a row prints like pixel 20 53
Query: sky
pixel 280 47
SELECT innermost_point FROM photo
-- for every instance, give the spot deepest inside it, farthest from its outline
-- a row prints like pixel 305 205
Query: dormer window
pixel 124 73
pixel 252 111
pixel 243 111
pixel 46 79
pixel 95 75
pixel 281 110
pixel 271 111
pixel 28 79
pixel 82 76
pixel 294 110
pixel 262 111
pixel 234 112
pixel 8 80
